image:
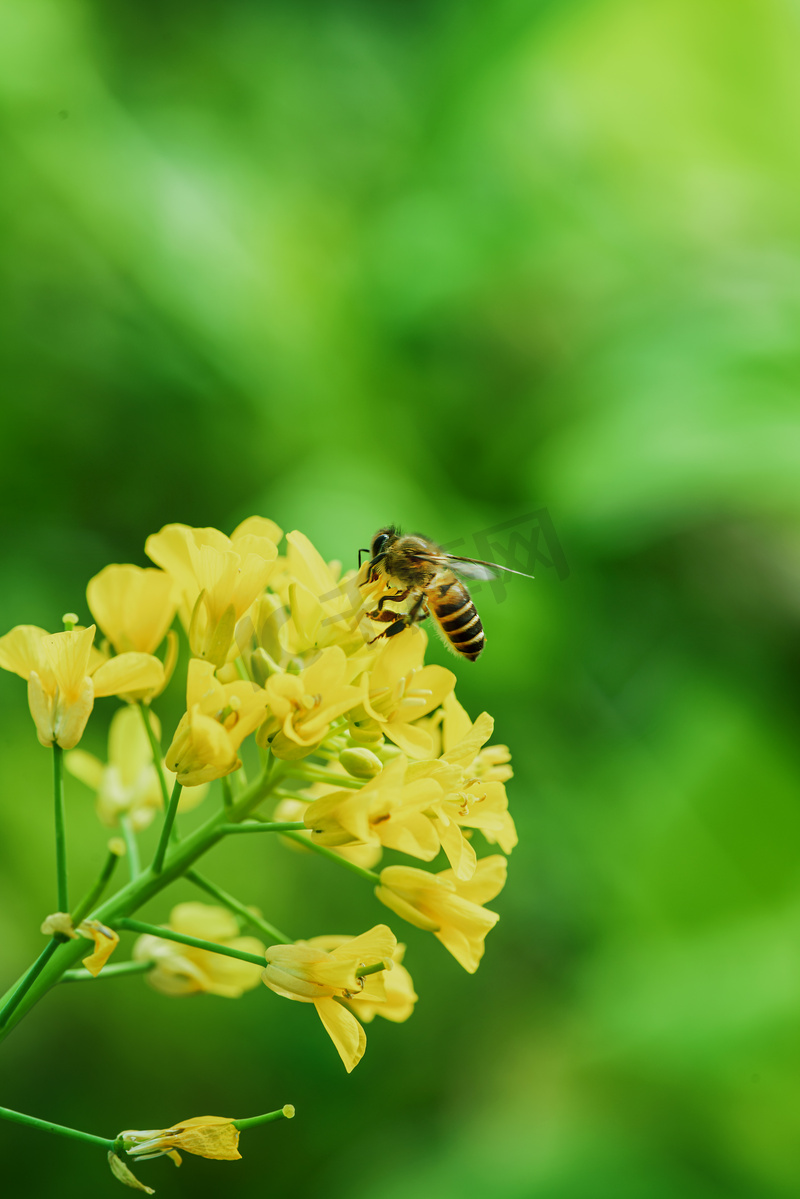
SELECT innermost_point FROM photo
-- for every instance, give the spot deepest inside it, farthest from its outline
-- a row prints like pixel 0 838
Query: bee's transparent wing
pixel 470 568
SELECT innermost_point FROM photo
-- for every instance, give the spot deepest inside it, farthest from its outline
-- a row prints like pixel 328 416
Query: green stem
pixel 155 749
pixel 109 971
pixel 132 846
pixel 227 792
pixel 334 857
pixel 169 820
pixel 27 980
pixel 134 895
pixel 91 897
pixel 61 838
pixel 19 1118
pixel 287 1112
pixel 168 934
pixel 263 826
pixel 235 906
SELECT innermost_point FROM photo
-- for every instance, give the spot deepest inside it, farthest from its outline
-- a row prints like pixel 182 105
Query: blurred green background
pixel 346 263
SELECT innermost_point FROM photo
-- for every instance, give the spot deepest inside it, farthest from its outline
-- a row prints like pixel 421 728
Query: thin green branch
pixel 61 836
pixel 74 1133
pixel 28 979
pixel 287 1112
pixel 169 820
pixel 155 749
pixel 263 826
pixel 132 846
pixel 227 792
pixel 109 971
pixel 131 897
pixel 168 934
pixel 334 857
pixel 92 896
pixel 240 909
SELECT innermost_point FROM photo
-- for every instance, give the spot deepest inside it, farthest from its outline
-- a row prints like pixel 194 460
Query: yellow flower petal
pixel 68 654
pixel 133 607
pixel 126 1176
pixel 105 942
pixel 344 1030
pixel 129 674
pixel 22 651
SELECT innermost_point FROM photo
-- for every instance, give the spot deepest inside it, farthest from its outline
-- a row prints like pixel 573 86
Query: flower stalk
pixel 229 901
pixel 156 750
pixel 169 820
pixel 61 1130
pixel 111 971
pixel 61 835
pixel 92 896
pixel 333 856
pixel 169 934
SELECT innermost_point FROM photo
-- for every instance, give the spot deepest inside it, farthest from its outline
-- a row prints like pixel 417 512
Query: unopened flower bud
pixel 361 763
pixel 262 666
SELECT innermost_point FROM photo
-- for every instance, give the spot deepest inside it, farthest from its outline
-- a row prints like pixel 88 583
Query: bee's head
pixel 382 539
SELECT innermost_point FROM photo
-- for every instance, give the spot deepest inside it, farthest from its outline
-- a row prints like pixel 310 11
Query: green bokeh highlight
pixel 442 264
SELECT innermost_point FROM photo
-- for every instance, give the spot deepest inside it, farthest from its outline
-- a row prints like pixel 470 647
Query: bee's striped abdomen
pixel 457 617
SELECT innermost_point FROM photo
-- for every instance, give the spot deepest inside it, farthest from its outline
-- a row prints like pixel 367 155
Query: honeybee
pixel 423 573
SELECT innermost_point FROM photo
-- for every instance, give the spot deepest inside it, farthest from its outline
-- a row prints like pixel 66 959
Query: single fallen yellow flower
pixel 206 1136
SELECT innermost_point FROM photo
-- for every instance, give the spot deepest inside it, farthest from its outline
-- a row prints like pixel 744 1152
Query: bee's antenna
pixel 360 552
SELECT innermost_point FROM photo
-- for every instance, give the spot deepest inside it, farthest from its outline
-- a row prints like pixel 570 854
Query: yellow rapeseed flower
pixel 218 577
pixel 302 706
pixel 134 607
pixel 402 689
pixel 490 761
pixel 450 908
pixel 186 970
pixel 309 610
pixel 128 785
pixel 314 975
pixel 65 675
pixel 206 1136
pixel 386 811
pixel 218 718
pixel 399 994
pixel 295 810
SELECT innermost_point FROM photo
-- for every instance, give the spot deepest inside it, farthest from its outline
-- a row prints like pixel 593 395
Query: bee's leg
pixel 399 595
pixel 395 621
pixel 418 610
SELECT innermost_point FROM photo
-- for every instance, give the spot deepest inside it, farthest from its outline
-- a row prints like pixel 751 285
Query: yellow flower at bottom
pixel 310 974
pixel 186 970
pixel 205 1136
pixel 448 907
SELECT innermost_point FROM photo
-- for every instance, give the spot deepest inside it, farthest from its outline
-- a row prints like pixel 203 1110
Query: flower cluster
pixel 360 748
